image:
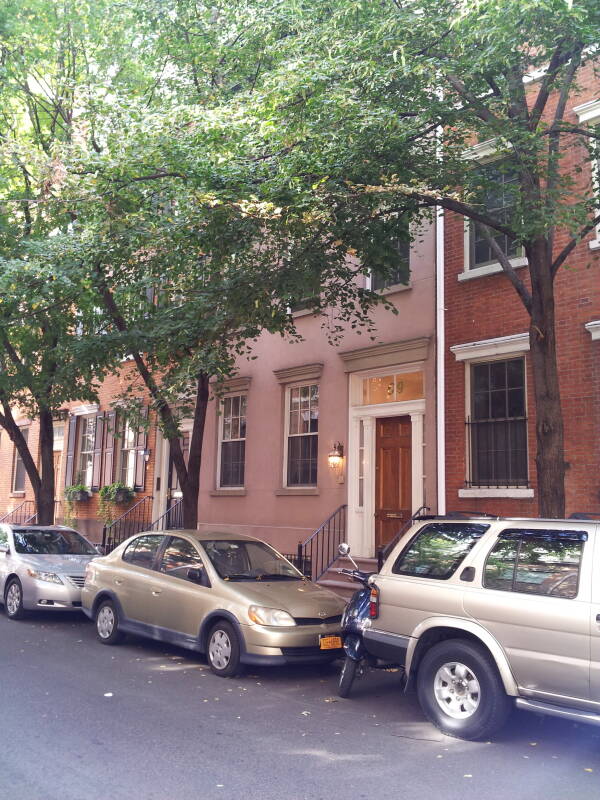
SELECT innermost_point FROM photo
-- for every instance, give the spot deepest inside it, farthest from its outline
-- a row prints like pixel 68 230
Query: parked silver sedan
pixel 42 567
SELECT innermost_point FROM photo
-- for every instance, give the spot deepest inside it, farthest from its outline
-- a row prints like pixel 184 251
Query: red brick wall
pixel 87 513
pixel 488 307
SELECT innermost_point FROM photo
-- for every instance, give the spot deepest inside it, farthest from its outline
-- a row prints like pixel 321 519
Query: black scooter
pixel 355 619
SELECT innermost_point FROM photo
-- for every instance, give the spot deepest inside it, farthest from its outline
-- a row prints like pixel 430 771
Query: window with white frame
pixel 499 197
pixel 588 114
pixel 232 446
pixel 85 449
pixel 397 276
pixel 302 434
pixel 128 454
pixel 19 472
pixel 497 425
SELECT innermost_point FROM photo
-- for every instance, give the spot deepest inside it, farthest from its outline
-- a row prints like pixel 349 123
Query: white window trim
pixel 488 349
pixel 484 153
pixel 119 442
pixel 286 436
pixel 590 113
pixel 501 349
pixel 594 329
pixel 78 453
pixel 220 442
pixel 16 457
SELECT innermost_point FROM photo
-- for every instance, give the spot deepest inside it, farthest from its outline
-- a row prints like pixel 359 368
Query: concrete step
pixel 342 584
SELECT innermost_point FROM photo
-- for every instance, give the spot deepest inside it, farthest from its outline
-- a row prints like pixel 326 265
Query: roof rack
pixel 585 515
pixel 466 515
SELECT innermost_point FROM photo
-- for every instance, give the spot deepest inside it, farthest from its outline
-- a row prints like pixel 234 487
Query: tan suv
pixel 229 596
pixel 485 613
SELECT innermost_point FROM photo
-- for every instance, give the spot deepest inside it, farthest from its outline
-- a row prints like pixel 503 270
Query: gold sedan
pixel 232 597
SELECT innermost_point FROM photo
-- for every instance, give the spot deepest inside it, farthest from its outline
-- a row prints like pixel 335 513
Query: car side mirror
pixel 198 576
pixel 4 548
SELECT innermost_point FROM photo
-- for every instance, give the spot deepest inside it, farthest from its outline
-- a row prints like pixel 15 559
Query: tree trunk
pixel 44 496
pixel 550 462
pixel 190 487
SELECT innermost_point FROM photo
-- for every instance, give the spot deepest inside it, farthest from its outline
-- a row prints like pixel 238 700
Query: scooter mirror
pixel 344 549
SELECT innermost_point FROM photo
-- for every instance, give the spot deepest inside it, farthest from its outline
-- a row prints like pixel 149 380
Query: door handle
pixel 156 592
pixel 597 617
pixel 118 581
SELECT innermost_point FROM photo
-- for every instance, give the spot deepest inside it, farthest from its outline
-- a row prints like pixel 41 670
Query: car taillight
pixel 374 602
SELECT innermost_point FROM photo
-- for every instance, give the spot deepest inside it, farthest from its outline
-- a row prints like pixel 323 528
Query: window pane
pixel 19 472
pixel 232 463
pixel 142 551
pixel 302 460
pixel 500 565
pixel 179 556
pixel 515 373
pixel 438 550
pixel 548 566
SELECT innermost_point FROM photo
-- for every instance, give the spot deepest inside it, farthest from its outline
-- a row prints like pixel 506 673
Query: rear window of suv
pixel 535 561
pixel 438 549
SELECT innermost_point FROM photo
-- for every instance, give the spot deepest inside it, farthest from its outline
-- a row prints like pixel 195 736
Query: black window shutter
pixel 140 456
pixel 97 454
pixel 109 448
pixel 71 442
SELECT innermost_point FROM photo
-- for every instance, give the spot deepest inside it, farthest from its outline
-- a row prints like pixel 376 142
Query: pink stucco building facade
pixel 266 470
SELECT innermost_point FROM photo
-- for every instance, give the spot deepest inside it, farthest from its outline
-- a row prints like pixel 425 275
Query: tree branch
pixel 564 254
pixel 509 271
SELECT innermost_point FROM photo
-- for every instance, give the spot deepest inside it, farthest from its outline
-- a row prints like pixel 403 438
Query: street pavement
pixel 144 721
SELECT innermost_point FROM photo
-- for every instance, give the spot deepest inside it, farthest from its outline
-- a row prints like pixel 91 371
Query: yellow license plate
pixel 330 642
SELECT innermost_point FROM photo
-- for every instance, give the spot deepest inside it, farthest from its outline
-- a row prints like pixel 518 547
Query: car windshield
pixel 51 542
pixel 249 561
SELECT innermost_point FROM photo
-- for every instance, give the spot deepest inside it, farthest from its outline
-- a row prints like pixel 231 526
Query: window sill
pixel 595 245
pixel 490 269
pixel 233 492
pixel 506 491
pixel 18 494
pixel 393 289
pixel 296 490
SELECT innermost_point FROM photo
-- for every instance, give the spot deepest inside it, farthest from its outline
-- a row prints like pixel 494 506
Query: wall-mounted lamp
pixel 146 454
pixel 335 459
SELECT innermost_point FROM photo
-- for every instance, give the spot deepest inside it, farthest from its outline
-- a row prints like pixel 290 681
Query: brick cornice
pixel 304 372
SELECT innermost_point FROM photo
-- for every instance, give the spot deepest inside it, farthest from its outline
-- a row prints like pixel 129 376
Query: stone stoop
pixel 341 584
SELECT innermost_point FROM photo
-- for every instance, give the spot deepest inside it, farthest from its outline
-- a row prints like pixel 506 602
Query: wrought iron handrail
pixel 21 514
pixel 135 519
pixel 171 520
pixel 317 553
pixel 32 520
pixel 386 549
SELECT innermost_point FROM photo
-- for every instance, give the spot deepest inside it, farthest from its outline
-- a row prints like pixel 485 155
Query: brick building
pixel 490 451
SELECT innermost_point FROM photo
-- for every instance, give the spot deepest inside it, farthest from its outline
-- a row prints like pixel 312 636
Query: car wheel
pixel 13 599
pixel 460 690
pixel 347 676
pixel 223 650
pixel 107 623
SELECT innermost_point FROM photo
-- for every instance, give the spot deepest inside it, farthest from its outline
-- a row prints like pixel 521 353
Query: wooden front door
pixel 393 483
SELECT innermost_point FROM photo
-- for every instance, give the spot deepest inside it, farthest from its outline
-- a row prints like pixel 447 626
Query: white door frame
pixel 159 505
pixel 361 521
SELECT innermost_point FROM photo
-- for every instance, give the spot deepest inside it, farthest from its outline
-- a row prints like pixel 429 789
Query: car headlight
pixel 270 616
pixel 50 577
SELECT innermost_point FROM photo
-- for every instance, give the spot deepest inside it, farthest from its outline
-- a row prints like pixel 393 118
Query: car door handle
pixel 118 581
pixel 597 617
pixel 156 592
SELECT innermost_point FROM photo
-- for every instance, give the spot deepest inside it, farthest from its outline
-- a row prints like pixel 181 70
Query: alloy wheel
pixel 13 599
pixel 456 690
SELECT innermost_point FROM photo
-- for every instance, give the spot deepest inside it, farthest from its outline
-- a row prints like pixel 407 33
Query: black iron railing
pixel 497 452
pixel 33 519
pixel 135 519
pixel 384 551
pixel 171 520
pixel 320 550
pixel 21 514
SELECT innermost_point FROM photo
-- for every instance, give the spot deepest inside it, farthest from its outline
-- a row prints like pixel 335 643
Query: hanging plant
pixel 78 493
pixel 117 493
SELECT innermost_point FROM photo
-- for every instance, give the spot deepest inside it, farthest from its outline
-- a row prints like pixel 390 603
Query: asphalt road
pixel 144 721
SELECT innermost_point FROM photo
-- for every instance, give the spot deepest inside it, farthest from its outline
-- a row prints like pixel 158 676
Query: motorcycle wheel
pixel 347 676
